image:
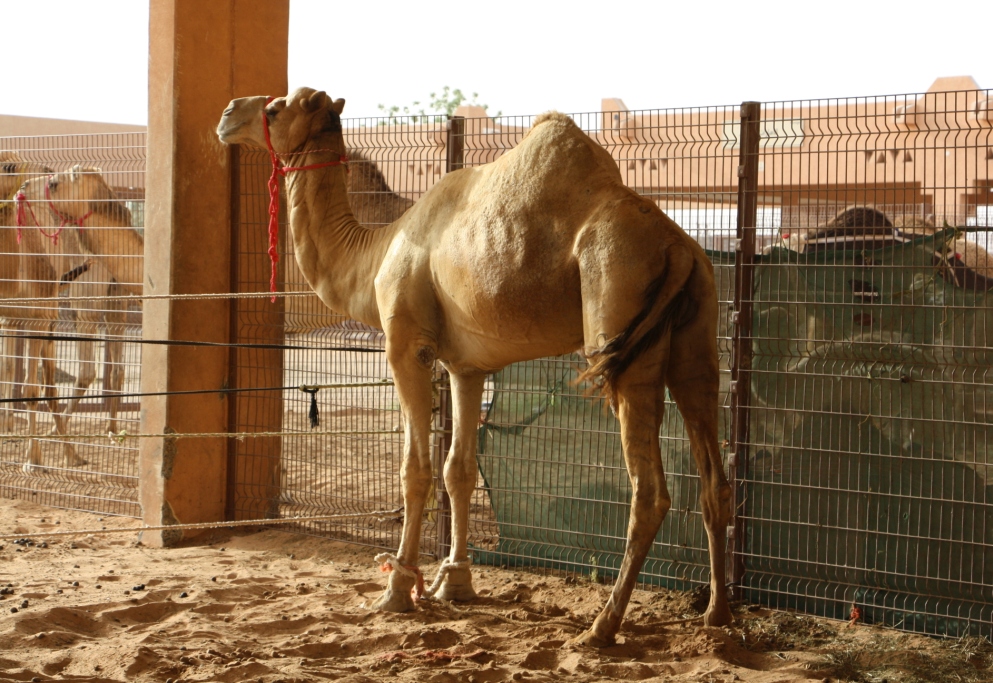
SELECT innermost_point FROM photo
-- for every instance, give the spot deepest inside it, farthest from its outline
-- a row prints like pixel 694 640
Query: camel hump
pixel 552 116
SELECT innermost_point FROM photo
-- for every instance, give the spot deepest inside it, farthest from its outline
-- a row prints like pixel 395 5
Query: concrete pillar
pixel 201 55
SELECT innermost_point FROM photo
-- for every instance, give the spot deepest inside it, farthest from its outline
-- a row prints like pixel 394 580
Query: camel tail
pixel 667 306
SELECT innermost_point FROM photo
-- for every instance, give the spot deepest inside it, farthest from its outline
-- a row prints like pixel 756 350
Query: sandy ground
pixel 266 605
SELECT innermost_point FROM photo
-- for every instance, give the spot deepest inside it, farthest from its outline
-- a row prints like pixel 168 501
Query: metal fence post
pixel 741 337
pixel 455 143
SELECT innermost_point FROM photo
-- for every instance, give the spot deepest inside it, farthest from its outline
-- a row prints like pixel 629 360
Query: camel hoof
pixel 717 616
pixel 591 639
pixel 393 601
pixel 457 586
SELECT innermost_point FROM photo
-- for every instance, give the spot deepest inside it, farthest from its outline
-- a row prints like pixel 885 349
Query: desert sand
pixel 268 605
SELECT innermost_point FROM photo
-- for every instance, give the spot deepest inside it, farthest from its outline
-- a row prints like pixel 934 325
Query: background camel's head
pixel 302 115
pixel 14 170
pixel 80 191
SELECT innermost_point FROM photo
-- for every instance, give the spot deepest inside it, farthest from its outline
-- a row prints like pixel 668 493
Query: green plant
pixel 440 107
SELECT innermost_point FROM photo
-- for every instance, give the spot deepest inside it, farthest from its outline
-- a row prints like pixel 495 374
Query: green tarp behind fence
pixel 868 476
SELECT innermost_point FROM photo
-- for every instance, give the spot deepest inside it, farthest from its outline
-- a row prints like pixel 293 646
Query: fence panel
pixel 866 481
pixel 81 237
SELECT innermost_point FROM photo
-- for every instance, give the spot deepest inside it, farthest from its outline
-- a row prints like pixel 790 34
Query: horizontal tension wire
pixel 120 437
pixel 205 525
pixel 181 342
pixel 223 390
pixel 10 302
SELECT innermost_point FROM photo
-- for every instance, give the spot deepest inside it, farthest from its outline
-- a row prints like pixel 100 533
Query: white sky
pixel 88 59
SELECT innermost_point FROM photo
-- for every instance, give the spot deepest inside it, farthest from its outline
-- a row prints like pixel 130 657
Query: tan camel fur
pixel 374 205
pixel 17 271
pixel 80 264
pixel 540 253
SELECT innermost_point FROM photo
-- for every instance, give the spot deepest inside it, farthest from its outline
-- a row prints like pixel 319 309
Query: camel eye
pixel 10 168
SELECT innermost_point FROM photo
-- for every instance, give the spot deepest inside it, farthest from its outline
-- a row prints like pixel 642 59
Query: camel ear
pixel 338 106
pixel 316 101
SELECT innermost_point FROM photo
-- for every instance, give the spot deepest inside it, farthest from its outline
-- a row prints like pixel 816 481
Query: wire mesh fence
pixel 74 231
pixel 850 242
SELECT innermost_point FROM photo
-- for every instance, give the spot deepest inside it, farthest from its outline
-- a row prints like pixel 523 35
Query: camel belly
pixel 519 322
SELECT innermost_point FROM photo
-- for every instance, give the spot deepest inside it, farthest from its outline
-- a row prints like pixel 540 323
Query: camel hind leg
pixel 84 377
pixel 640 401
pixel 31 392
pixel 113 380
pixel 694 382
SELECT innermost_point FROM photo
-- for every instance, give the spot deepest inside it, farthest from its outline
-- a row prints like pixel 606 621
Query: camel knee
pixel 415 475
pixel 716 505
pixel 87 373
pixel 460 470
pixel 651 502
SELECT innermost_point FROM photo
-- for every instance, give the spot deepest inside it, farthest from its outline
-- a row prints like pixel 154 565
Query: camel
pixel 540 253
pixel 98 247
pixel 14 170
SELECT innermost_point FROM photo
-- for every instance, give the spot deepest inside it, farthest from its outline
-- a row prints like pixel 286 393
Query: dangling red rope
pixel 279 170
pixel 24 206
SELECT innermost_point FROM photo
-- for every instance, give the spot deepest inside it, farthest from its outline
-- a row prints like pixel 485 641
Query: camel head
pixel 293 120
pixel 78 193
pixel 14 171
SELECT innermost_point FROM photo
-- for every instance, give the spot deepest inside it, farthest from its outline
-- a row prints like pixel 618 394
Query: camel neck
pixel 120 248
pixel 338 256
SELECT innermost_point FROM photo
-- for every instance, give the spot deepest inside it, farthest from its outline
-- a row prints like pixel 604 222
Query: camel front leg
pixel 8 378
pixel 640 404
pixel 31 392
pixel 460 480
pixel 413 369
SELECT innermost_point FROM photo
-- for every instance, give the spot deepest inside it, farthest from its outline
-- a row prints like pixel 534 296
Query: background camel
pixel 15 274
pixel 96 245
pixel 542 252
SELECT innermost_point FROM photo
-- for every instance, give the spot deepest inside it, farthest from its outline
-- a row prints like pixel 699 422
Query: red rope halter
pixel 279 170
pixel 22 203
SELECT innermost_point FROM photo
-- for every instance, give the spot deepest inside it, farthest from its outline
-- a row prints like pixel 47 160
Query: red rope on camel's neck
pixel 64 219
pixel 24 207
pixel 279 170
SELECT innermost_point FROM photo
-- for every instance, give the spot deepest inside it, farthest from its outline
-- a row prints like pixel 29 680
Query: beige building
pixel 928 155
pixel 923 155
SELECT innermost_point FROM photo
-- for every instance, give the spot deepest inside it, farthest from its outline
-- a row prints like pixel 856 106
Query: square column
pixel 201 55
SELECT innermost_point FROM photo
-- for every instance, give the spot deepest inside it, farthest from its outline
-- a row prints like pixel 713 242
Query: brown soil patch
pixel 272 606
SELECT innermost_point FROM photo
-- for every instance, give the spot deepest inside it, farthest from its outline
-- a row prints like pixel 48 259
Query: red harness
pixel 279 170
pixel 24 207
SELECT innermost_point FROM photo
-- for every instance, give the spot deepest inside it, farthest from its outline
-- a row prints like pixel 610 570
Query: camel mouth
pixel 227 128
